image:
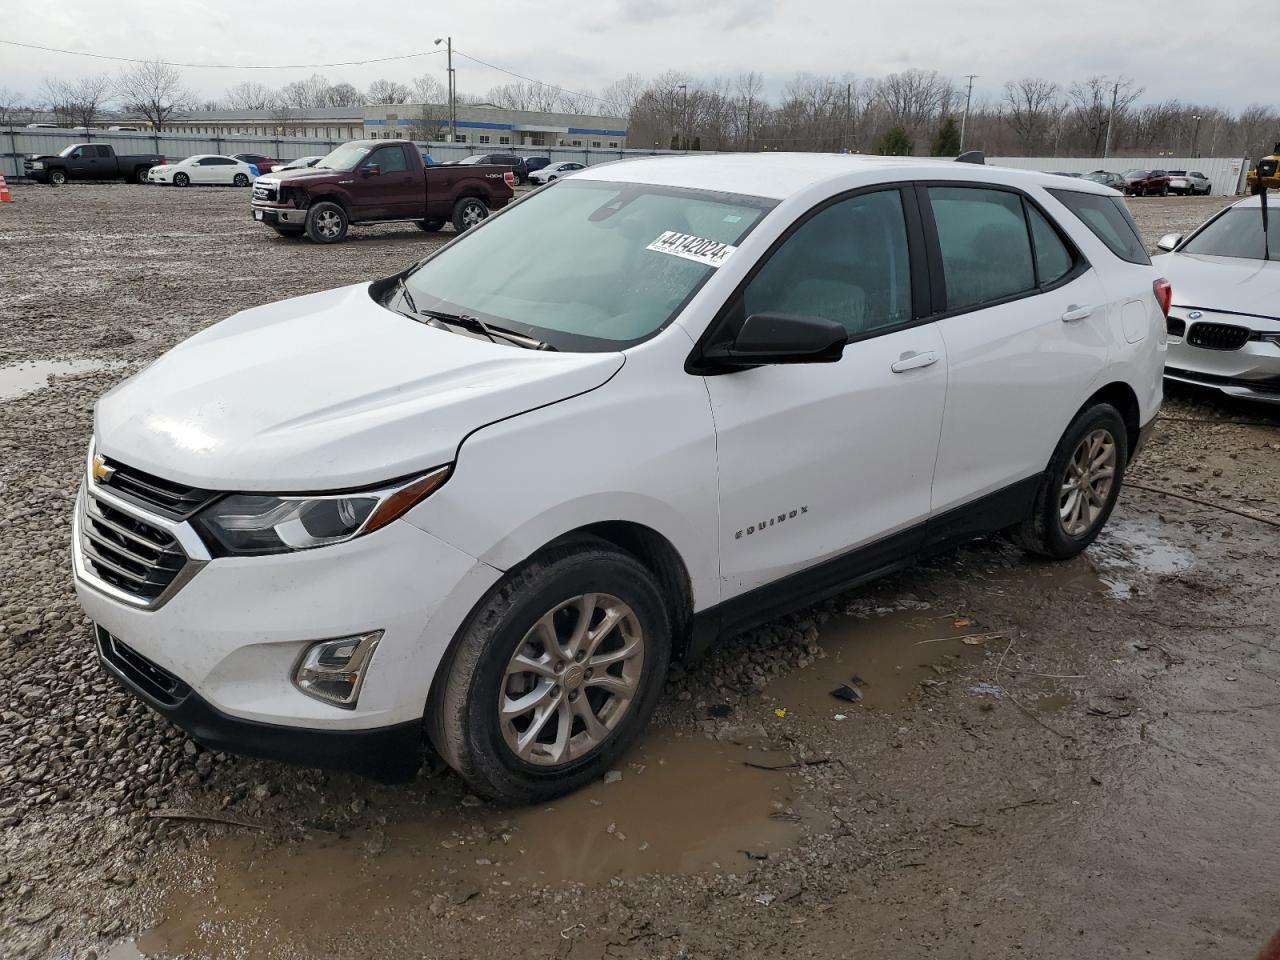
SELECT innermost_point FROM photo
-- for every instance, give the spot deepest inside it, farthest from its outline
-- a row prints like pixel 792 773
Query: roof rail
pixel 972 156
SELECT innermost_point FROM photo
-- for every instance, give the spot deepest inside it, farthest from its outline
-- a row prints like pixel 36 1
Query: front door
pixel 383 182
pixel 83 163
pixel 818 460
pixel 1024 328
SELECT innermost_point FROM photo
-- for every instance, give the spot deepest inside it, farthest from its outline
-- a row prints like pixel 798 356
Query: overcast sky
pixel 1214 53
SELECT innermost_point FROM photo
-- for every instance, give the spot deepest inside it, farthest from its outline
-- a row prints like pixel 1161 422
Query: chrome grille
pixel 128 553
pixel 264 191
pixel 174 500
pixel 1218 336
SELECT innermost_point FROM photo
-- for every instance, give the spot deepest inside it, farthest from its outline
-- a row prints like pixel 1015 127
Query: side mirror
pixel 371 170
pixel 770 338
pixel 1169 241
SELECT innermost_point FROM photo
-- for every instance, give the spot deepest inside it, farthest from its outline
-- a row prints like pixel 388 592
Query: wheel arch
pixel 1121 396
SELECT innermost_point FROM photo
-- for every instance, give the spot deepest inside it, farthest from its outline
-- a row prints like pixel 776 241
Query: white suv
pixel 494 495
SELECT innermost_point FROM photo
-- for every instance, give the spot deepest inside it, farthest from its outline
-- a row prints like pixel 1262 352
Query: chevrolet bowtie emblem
pixel 102 471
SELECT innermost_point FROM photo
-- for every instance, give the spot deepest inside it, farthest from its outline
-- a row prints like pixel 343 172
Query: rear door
pixel 819 460
pixel 1023 320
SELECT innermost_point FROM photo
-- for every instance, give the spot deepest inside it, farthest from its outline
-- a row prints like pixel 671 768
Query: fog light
pixel 333 670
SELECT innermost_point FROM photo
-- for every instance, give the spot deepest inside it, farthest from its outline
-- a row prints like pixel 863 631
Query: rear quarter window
pixel 1109 220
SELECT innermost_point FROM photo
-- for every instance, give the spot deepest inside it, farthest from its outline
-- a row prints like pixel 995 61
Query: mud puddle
pixel 684 804
pixel 1129 551
pixel 23 378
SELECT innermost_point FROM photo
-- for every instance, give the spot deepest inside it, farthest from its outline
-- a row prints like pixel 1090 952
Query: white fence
pixel 1227 174
pixel 17 142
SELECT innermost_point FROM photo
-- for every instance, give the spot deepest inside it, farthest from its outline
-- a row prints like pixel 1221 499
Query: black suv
pixel 517 164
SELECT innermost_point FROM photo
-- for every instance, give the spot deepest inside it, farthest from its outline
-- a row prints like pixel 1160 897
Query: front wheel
pixel 326 222
pixel 468 212
pixel 241 180
pixel 57 177
pixel 181 180
pixel 1079 489
pixel 554 675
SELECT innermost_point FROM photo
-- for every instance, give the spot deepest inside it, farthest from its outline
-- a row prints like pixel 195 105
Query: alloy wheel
pixel 571 680
pixel 1086 488
pixel 472 214
pixel 329 224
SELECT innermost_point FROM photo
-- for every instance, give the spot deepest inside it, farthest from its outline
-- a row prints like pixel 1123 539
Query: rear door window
pixel 985 247
pixel 1109 220
pixel 1053 259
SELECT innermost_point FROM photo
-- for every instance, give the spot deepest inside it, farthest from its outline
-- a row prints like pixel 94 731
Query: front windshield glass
pixel 576 264
pixel 1237 233
pixel 66 151
pixel 345 157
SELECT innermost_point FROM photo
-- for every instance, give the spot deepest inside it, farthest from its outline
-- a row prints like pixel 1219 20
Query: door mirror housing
pixel 371 170
pixel 1169 241
pixel 771 338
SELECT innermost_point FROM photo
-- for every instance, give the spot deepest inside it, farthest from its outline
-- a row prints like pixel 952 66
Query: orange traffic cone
pixel 5 195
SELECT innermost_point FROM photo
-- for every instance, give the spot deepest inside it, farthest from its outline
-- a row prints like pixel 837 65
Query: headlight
pixel 37 165
pixel 251 524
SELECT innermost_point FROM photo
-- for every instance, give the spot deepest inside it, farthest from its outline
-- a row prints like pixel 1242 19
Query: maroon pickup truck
pixel 373 181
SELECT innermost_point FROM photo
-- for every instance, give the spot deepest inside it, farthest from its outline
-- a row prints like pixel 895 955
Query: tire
pixel 429 226
pixel 240 180
pixel 181 180
pixel 551 590
pixel 1045 532
pixel 468 212
pixel 1164 192
pixel 140 175
pixel 327 222
pixel 57 178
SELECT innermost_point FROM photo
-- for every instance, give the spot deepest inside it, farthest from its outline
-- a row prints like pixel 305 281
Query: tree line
pixel 909 112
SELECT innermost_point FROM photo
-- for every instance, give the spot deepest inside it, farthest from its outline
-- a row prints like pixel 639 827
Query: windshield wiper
pixel 476 325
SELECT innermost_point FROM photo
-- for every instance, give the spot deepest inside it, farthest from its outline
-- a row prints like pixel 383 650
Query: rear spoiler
pixel 972 156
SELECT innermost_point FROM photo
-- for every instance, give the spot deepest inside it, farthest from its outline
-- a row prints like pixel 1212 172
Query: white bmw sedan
pixel 1224 325
pixel 488 499
pixel 204 169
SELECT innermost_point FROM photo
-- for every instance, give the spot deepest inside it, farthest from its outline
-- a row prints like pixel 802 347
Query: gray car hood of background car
pixel 326 392
pixel 1224 284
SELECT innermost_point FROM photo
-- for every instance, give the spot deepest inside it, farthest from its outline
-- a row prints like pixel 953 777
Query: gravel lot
pixel 1048 760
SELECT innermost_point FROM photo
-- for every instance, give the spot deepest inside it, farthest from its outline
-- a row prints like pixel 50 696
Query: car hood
pixel 1230 284
pixel 326 392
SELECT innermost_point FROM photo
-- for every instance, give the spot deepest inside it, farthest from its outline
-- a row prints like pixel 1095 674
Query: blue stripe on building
pixel 598 133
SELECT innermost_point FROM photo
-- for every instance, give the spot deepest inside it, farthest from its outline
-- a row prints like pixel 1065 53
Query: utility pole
pixel 968 98
pixel 453 87
pixel 684 119
pixel 848 116
pixel 1115 94
pixel 1195 137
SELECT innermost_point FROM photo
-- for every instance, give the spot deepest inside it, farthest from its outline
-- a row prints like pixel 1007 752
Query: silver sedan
pixel 1224 325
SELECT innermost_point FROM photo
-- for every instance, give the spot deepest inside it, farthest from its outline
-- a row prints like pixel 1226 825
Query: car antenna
pixel 972 156
pixel 1266 170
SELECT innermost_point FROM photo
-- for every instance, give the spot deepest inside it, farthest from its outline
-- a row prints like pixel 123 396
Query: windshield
pixel 345 157
pixel 576 264
pixel 1237 233
pixel 472 159
pixel 66 151
pixel 1135 173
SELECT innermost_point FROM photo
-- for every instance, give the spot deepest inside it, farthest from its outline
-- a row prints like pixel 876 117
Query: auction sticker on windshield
pixel 698 249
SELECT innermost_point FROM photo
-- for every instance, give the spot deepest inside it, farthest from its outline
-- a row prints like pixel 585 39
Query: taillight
pixel 1164 294
pixel 510 178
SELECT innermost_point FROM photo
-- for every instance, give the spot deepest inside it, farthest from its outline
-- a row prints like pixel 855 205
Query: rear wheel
pixel 554 675
pixel 1079 489
pixel 140 174
pixel 241 180
pixel 468 212
pixel 326 222
pixel 181 180
pixel 429 226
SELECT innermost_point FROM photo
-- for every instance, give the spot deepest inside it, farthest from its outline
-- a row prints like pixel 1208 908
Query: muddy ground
pixel 1046 761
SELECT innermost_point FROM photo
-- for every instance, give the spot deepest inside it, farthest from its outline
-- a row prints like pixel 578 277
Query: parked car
pixel 1224 329
pixel 372 181
pixel 263 163
pixel 1061 173
pixel 89 161
pixel 1189 182
pixel 204 169
pixel 516 164
pixel 492 496
pixel 535 163
pixel 554 171
pixel 1113 180
pixel 299 163
pixel 1142 183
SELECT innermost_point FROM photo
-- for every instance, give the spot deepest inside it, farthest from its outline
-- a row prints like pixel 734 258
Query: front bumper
pixel 279 216
pixel 391 754
pixel 1251 371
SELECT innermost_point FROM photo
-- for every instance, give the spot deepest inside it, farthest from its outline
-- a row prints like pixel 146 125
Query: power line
pixel 223 66
pixel 541 83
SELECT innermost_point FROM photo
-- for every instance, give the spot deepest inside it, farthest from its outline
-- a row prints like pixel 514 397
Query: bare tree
pixel 10 101
pixel 1031 106
pixel 1092 107
pixel 78 102
pixel 914 97
pixel 249 95
pixel 747 89
pixel 624 94
pixel 389 91
pixel 427 89
pixel 153 89
pixel 309 94
pixel 343 95
pixel 283 114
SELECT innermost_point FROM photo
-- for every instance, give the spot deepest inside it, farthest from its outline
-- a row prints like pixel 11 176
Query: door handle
pixel 911 360
pixel 1076 312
